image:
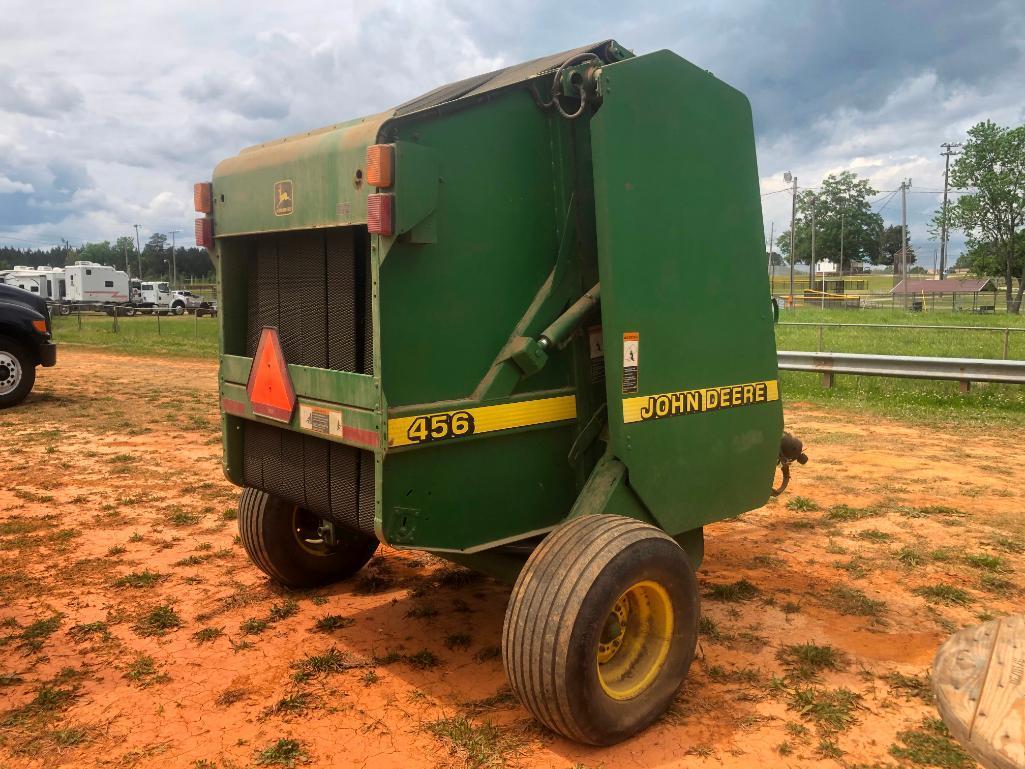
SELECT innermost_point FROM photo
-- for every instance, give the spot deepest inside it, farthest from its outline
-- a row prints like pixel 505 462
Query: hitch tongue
pixel 790 450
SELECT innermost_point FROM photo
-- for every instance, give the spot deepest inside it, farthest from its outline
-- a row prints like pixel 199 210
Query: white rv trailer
pixel 46 281
pixel 92 283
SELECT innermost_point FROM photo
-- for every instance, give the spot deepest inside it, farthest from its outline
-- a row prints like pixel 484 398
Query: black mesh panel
pixel 314 287
pixel 334 481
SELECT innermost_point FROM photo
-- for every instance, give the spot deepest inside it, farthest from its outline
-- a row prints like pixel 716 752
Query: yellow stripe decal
pixel 443 425
pixel 648 407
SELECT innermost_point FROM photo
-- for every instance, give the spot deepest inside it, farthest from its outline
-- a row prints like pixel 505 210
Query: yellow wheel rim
pixel 635 639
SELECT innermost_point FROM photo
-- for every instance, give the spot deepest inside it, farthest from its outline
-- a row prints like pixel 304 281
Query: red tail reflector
pixel 270 389
pixel 380 165
pixel 203 197
pixel 381 214
pixel 205 233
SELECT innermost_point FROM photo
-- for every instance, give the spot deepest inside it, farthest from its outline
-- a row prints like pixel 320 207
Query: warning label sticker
pixel 597 354
pixel 631 345
pixel 320 420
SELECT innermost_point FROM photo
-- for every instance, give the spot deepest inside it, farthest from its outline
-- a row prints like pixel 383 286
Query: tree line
pixel 153 262
pixel 989 174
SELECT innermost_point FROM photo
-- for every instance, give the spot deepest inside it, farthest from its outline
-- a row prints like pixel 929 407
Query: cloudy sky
pixel 109 111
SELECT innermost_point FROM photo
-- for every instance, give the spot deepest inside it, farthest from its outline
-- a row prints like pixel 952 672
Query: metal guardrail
pixel 963 370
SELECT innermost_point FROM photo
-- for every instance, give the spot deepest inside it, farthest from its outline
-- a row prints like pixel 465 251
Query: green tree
pixel 155 257
pixel 101 253
pixel 993 164
pixel 842 213
pixel 890 251
pixel 125 254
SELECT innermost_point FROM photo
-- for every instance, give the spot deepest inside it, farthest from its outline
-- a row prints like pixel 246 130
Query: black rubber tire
pixel 265 525
pixel 27 365
pixel 555 617
pixel 64 310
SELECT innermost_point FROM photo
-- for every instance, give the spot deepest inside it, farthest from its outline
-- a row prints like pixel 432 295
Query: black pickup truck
pixel 24 343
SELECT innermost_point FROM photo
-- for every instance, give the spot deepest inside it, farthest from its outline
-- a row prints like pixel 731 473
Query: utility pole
pixel 174 264
pixel 128 264
pixel 772 262
pixel 949 147
pixel 138 249
pixel 814 204
pixel 904 186
pixel 788 177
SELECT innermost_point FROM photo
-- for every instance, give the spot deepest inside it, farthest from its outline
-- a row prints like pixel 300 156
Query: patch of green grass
pixel 807 660
pixel 943 593
pixel 827 748
pixel 458 577
pixel 33 636
pixel 478 745
pixel 285 752
pixel 139 579
pixel 768 561
pixel 832 710
pixel 207 634
pixel 458 641
pixel 423 660
pixel 10 679
pixel 158 621
pixel 853 602
pixel 229 514
pixel 333 622
pixel 874 535
pixel 986 562
pixel 144 672
pixel 425 611
pixel 1007 544
pixel 741 590
pixel 910 686
pixel 993 583
pixel 182 518
pixel 802 505
pixel 372 583
pixel 857 567
pixel 931 745
pixel 292 704
pixel 488 653
pixel 179 336
pixel 87 630
pixel 848 513
pixel 70 737
pixel 254 626
pixel 116 551
pixel 283 610
pixel 331 661
pixel 192 560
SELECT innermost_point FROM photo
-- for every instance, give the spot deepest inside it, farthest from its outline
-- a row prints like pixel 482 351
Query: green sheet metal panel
pixel 447 309
pixel 680 254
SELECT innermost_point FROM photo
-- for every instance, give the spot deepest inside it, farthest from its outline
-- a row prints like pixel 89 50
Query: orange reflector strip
pixel 380 165
pixel 205 233
pixel 270 389
pixel 203 197
pixel 39 325
pixel 381 214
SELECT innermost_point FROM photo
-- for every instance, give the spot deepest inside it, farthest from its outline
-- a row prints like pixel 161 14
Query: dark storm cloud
pixel 118 135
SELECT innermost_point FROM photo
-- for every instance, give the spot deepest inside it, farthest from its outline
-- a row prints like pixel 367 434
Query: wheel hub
pixel 10 373
pixel 635 640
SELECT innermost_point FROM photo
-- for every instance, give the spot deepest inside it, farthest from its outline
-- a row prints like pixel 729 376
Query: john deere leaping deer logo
pixel 283 198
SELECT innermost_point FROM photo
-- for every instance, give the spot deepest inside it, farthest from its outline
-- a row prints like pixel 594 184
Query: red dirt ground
pixel 112 505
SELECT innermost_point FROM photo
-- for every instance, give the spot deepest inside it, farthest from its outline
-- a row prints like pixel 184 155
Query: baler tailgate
pixel 691 375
